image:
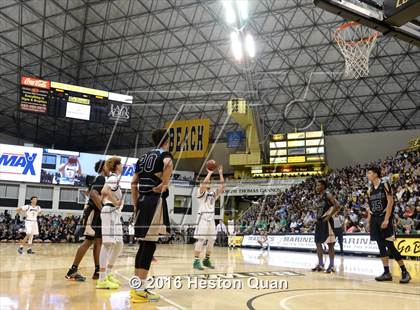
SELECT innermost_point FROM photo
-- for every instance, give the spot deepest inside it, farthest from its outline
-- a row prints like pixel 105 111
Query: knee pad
pixel 382 248
pixel 145 254
pixel 392 251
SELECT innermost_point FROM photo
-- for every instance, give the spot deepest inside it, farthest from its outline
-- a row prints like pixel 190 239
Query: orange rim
pixel 351 42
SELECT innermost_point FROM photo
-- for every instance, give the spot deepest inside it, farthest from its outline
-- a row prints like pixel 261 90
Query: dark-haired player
pixel 31 223
pixel 381 226
pixel 327 206
pixel 92 224
pixel 149 189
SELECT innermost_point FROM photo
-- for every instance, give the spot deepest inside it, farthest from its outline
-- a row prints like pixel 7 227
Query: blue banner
pixel 234 139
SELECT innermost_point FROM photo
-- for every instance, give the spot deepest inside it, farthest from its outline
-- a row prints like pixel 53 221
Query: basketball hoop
pixel 356 43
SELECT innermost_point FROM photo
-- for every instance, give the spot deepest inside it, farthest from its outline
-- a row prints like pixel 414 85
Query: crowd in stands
pixel 52 228
pixel 292 210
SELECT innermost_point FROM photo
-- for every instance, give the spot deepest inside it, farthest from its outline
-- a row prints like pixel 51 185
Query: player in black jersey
pixel 324 226
pixel 381 224
pixel 92 224
pixel 149 190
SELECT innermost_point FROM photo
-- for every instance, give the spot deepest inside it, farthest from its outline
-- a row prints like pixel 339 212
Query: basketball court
pixel 37 282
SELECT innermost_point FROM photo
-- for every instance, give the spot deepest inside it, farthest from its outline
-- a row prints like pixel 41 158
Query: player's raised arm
pixel 203 185
pixel 221 189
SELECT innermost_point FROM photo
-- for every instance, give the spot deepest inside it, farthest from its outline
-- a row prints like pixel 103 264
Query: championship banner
pixel 20 163
pixel 189 139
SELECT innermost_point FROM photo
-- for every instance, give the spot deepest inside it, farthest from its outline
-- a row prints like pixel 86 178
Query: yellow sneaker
pixel 143 296
pixel 112 279
pixel 106 284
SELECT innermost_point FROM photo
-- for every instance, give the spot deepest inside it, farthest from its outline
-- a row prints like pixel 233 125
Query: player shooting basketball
pixel 206 228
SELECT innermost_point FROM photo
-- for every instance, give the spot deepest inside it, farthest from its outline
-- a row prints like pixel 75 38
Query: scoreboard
pixel 298 147
pixel 294 154
pixel 69 101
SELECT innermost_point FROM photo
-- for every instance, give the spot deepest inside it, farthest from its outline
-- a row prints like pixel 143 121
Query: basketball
pixel 211 165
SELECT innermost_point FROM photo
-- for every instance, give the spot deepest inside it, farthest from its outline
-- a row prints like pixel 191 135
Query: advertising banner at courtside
pixel 408 245
pixel 20 163
pixel 189 139
pixel 352 243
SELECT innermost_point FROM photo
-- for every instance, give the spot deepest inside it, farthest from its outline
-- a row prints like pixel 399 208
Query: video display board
pixel 70 101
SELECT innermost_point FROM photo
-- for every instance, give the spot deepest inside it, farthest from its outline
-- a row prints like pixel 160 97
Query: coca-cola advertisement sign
pixel 33 82
pixel 34 94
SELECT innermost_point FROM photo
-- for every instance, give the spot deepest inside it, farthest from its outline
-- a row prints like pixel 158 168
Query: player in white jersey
pixel 206 228
pixel 31 223
pixel 232 232
pixel 112 233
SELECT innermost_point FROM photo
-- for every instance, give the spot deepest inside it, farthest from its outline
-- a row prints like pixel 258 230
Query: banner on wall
pixel 189 139
pixel 20 163
pixel 234 139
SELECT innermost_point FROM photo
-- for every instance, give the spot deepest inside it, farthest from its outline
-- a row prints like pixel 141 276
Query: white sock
pixel 142 286
pixel 103 259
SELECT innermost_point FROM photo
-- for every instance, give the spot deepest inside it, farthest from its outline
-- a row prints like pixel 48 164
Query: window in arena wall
pixel 10 191
pixel 68 194
pixel 182 204
pixel 43 193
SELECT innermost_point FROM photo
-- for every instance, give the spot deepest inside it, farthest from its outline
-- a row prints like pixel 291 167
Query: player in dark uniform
pixel 149 189
pixel 92 225
pixel 324 226
pixel 381 224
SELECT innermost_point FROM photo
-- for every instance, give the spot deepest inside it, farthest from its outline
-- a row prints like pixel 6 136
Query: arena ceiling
pixel 174 57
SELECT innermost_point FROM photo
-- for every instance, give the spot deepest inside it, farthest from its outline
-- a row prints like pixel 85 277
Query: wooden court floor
pixel 245 279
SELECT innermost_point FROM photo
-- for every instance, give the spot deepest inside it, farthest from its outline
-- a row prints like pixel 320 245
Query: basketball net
pixel 356 43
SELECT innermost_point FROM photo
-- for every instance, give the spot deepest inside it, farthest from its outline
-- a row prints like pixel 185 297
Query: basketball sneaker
pixel 330 269
pixel 20 250
pixel 207 263
pixel 30 251
pixel 318 268
pixel 143 296
pixel 112 279
pixel 95 275
pixel 405 277
pixel 74 275
pixel 197 264
pixel 386 276
pixel 106 284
